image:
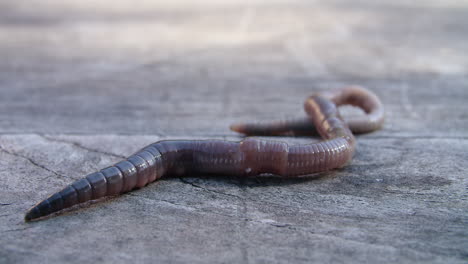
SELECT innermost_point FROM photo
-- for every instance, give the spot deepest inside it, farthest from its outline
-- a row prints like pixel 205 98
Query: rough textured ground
pixel 83 84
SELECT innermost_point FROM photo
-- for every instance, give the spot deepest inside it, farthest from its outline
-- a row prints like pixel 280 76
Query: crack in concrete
pixel 78 145
pixel 153 199
pixel 209 190
pixel 195 209
pixel 243 199
pixel 17 229
pixel 242 212
pixel 32 162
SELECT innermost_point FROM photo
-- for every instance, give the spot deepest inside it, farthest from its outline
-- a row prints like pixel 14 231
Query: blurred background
pixel 85 83
pixel 145 67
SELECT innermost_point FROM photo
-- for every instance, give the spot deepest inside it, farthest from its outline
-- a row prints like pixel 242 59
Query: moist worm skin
pixel 248 157
pixel 351 95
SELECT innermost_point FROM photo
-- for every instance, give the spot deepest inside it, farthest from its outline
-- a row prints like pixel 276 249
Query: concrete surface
pixel 85 83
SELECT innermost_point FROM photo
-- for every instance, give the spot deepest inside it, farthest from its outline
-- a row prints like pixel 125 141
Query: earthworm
pixel 249 157
pixel 351 95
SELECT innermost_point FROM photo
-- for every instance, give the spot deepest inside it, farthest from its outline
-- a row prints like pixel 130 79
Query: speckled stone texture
pixel 85 83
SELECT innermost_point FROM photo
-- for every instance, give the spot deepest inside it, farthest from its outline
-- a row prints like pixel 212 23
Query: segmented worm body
pixel 250 156
pixel 351 95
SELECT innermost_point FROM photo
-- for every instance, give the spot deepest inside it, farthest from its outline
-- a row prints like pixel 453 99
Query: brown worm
pixel 248 157
pixel 351 95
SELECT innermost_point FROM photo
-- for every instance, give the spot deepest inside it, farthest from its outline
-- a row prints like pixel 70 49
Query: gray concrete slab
pixel 84 84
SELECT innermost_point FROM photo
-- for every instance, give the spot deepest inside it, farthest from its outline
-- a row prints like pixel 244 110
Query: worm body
pixel 248 157
pixel 351 95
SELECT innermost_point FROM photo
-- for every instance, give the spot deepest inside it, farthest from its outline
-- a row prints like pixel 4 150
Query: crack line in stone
pixel 78 145
pixel 32 162
pixel 195 209
pixel 209 190
pixel 18 229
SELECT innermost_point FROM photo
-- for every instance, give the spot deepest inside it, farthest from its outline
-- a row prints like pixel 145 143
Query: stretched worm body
pixel 248 157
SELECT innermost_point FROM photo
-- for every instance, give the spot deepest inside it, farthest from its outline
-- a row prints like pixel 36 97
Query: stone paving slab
pixel 84 84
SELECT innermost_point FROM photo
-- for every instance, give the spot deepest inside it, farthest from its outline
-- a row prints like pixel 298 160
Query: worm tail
pixel 136 171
